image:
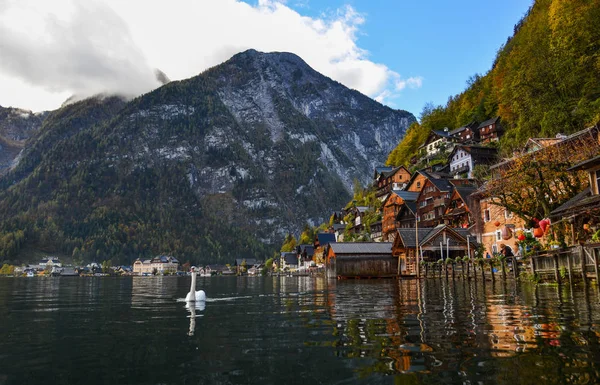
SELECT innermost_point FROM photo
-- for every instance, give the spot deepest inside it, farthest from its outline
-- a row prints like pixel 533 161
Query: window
pixel 494 249
pixel 468 136
pixel 597 181
pixel 498 235
pixel 418 184
pixel 508 214
pixel 486 215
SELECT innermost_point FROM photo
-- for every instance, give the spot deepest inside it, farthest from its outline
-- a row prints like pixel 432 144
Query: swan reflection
pixel 192 307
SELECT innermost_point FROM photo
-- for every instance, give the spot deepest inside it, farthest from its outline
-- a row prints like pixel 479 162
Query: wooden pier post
pixel 556 273
pixel 569 267
pixel 583 259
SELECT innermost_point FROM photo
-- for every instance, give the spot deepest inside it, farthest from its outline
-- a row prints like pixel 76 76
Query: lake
pixel 296 330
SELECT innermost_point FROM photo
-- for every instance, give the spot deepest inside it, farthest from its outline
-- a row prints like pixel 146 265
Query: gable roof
pixel 465 191
pixel 488 122
pixel 325 238
pixel 381 169
pixel 249 261
pixel 362 248
pixel 407 195
pixel 460 233
pixel 309 249
pixel 408 236
pixel 290 258
pixel 461 129
pixel 440 183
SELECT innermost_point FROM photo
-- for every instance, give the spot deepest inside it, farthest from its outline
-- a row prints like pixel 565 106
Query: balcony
pixel 460 170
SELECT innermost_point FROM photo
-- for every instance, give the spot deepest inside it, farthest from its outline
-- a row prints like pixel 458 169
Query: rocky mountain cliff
pixel 16 126
pixel 210 168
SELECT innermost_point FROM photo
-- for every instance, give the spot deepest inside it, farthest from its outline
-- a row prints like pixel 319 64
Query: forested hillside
pixel 545 80
pixel 207 169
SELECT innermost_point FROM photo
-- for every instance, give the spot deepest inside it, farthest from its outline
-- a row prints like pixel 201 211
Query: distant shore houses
pixel 159 265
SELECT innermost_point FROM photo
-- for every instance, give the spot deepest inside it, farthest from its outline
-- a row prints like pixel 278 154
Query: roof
pixel 290 258
pixel 338 226
pixel 362 209
pixel 325 238
pixel 310 249
pixel 595 161
pixel 249 261
pixel 463 233
pixel 409 235
pixel 441 133
pixel 406 195
pixel 461 129
pixel 380 169
pixel 488 122
pixel 439 183
pixel 580 201
pixel 362 248
pixel 412 206
pixel 465 192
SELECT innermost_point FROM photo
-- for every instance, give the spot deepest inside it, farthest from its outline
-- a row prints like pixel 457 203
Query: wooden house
pixel 406 216
pixel 395 179
pixel 434 243
pixel 466 134
pixel 416 182
pixel 459 212
pixel 361 260
pixel 433 200
pixel 391 207
pixel 490 131
pixel 463 159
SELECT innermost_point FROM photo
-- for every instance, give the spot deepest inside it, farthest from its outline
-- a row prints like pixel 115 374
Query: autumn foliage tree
pixel 533 184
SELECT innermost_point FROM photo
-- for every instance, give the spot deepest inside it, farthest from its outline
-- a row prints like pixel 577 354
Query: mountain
pixel 16 126
pixel 544 80
pixel 210 168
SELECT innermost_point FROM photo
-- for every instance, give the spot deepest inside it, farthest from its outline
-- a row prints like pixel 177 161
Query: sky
pixel 402 53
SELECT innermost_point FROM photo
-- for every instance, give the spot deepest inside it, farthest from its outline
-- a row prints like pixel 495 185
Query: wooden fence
pixel 577 262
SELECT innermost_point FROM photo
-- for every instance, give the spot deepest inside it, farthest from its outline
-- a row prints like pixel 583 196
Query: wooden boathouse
pixel 361 260
pixel 434 243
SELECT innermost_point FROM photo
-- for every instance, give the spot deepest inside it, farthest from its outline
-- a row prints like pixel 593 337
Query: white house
pixel 50 262
pixel 158 265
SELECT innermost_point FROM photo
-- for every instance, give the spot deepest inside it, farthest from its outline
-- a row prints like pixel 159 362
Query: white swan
pixel 194 295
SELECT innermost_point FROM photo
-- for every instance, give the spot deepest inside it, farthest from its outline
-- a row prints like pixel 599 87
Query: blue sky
pixel 444 42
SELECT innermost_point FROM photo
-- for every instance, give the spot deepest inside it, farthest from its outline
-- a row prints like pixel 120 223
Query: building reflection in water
pixel 151 292
pixel 440 326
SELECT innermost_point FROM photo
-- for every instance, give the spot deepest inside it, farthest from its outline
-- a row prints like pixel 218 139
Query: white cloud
pixel 412 82
pixel 65 47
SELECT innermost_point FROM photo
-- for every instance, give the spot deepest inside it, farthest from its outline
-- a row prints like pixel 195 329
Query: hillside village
pixel 450 204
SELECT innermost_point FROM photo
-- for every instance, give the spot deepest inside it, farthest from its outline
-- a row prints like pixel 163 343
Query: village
pixel 434 220
pixel 442 215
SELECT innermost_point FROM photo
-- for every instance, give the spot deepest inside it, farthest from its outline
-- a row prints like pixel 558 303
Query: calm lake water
pixel 296 331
